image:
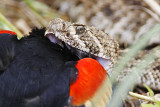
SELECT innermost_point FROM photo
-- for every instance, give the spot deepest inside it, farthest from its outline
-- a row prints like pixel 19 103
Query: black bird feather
pixel 34 71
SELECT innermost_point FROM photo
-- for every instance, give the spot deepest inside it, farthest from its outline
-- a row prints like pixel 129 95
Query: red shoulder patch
pixel 91 76
pixel 7 31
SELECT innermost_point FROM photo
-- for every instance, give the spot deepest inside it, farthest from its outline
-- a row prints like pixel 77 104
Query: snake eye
pixel 80 29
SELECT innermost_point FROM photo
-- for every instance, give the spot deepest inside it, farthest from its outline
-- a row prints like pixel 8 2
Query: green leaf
pixel 4 26
pixel 10 25
pixel 151 93
pixel 158 103
pixel 149 105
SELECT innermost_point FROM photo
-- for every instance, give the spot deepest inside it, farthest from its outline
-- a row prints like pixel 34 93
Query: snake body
pixel 123 20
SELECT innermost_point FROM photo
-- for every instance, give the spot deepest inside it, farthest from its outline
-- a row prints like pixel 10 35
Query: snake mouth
pixel 79 53
pixel 53 38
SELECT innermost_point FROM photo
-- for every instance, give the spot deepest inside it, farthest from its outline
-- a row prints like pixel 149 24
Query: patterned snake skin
pixel 123 20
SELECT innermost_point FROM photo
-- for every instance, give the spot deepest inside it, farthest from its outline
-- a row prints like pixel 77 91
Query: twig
pixel 147 98
pixel 154 5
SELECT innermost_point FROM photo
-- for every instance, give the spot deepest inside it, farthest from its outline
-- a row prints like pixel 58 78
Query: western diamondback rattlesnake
pixel 101 46
pixel 123 20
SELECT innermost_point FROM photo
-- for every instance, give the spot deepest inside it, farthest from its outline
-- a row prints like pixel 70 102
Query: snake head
pixel 84 39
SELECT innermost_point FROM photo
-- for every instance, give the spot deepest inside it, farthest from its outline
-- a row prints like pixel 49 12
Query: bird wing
pixel 6 49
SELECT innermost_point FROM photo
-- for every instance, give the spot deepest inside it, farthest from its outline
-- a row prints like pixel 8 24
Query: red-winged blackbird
pixel 35 72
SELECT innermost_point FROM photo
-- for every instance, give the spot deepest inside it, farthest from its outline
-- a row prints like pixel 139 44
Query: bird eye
pixel 80 29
